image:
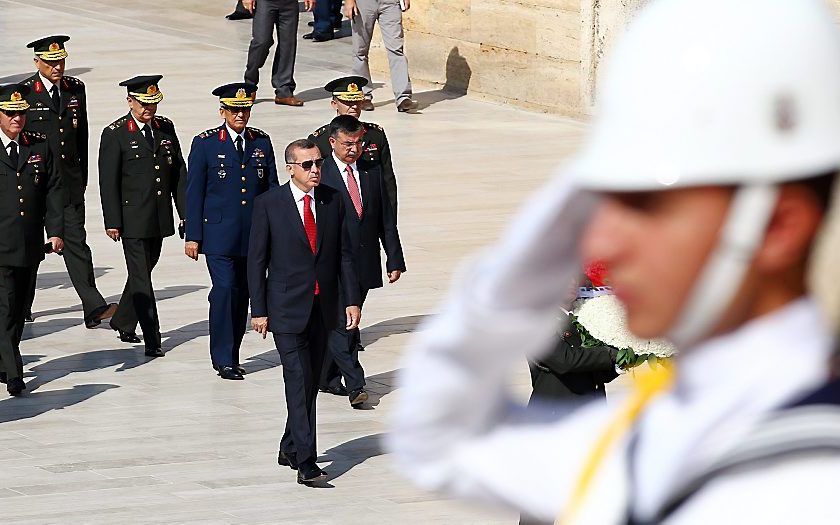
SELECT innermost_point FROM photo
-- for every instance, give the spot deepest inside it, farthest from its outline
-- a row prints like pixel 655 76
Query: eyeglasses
pixel 12 114
pixel 307 164
pixel 355 144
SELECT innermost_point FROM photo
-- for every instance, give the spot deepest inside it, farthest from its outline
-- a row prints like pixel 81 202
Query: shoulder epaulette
pixel 164 121
pixel 29 81
pixel 118 123
pixel 209 132
pixel 73 81
pixel 256 132
pixel 35 135
pixel 320 130
pixel 371 125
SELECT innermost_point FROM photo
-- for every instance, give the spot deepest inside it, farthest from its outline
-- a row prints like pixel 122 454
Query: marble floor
pixel 105 435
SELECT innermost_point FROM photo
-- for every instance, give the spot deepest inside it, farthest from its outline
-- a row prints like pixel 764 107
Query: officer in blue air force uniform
pixel 228 167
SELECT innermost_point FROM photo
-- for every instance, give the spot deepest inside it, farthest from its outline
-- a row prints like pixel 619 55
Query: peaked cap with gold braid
pixel 50 47
pixel 13 97
pixel 236 95
pixel 347 89
pixel 144 88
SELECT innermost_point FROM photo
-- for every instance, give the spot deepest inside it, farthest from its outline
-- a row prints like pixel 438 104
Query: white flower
pixel 605 319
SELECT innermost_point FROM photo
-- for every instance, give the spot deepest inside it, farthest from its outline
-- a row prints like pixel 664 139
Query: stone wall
pixel 539 54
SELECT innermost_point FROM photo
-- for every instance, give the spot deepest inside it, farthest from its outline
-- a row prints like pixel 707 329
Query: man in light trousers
pixel 364 15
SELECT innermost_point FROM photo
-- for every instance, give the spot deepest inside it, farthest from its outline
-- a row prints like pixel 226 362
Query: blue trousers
pixel 326 13
pixel 228 307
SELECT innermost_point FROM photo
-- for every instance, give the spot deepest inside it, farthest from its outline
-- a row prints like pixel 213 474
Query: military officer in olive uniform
pixel 141 169
pixel 58 109
pixel 31 199
pixel 229 166
pixel 347 99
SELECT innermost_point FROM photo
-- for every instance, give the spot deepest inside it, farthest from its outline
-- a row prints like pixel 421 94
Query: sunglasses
pixel 236 111
pixel 307 164
pixel 14 113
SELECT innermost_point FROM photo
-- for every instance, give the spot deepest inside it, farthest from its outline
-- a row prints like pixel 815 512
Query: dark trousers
pixel 15 288
pixel 326 13
pixel 137 304
pixel 268 15
pixel 342 358
pixel 228 307
pixel 79 262
pixel 302 356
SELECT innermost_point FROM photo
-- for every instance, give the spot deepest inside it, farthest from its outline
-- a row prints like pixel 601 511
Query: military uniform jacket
pixel 66 129
pixel 31 199
pixel 138 183
pixel 221 188
pixel 376 153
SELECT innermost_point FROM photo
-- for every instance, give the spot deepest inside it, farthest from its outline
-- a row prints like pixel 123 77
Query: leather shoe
pixel 357 397
pixel 287 460
pixel 105 311
pixel 154 352
pixel 16 386
pixel 240 369
pixel 288 101
pixel 334 390
pixel 359 347
pixel 28 318
pixel 308 472
pixel 406 105
pixel 128 337
pixel 318 37
pixel 229 372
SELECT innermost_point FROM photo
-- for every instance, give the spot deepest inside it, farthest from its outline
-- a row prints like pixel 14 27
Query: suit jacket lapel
pixel 320 211
pixel 364 188
pixel 293 214
pixel 4 156
pixel 23 154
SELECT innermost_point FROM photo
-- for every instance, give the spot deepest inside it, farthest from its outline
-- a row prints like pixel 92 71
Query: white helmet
pixel 718 92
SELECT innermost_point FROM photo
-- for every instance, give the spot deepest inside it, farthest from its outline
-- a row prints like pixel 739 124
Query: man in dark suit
pixel 140 170
pixel 229 166
pixel 58 109
pixel 31 199
pixel 298 256
pixel 370 221
pixel 349 99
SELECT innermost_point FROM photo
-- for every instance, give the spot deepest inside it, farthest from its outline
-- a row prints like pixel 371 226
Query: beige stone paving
pixel 107 436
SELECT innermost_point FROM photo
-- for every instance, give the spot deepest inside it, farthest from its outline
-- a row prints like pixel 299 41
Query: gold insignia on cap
pixel 241 94
pixel 352 88
pixel 152 90
pixel 16 97
pixel 54 47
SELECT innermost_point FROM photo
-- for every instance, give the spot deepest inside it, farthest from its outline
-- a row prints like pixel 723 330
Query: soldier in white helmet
pixel 703 186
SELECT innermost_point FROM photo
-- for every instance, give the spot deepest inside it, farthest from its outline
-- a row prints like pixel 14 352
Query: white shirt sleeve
pixel 455 428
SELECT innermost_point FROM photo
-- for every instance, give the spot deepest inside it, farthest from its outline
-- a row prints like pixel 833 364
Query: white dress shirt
pixel 342 168
pixel 233 136
pixel 6 140
pixel 298 194
pixel 48 85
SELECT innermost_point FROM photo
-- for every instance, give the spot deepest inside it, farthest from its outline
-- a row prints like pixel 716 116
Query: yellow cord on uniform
pixel 647 385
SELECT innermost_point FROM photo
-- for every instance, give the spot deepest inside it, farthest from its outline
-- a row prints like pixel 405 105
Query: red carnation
pixel 596 272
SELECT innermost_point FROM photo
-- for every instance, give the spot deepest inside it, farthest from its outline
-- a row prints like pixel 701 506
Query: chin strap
pixel 719 281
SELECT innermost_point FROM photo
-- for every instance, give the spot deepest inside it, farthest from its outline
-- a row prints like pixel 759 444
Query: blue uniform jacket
pixel 221 189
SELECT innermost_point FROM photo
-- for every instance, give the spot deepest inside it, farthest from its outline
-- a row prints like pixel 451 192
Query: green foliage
pixel 626 359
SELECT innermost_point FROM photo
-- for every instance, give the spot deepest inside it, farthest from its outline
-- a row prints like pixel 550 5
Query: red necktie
pixel 310 227
pixel 353 189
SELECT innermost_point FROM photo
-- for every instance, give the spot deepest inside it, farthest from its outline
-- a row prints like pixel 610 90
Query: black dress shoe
pixel 126 337
pixel 154 352
pixel 229 372
pixel 318 37
pixel 357 397
pixel 360 347
pixel 287 460
pixel 334 390
pixel 106 311
pixel 16 386
pixel 240 369
pixel 28 317
pixel 308 472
